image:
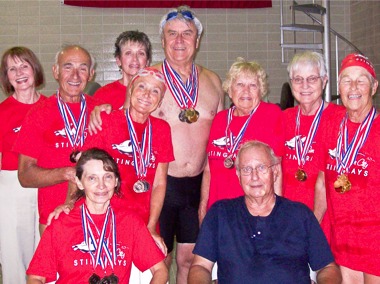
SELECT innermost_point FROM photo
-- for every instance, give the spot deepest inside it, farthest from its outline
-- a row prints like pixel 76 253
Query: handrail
pixel 333 31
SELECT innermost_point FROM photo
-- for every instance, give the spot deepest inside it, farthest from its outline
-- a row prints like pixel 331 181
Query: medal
pixel 141 186
pixel 301 175
pixel 191 115
pixel 73 156
pixel 342 184
pixel 184 93
pixel 110 279
pixel 229 162
pixel 347 152
pixel 182 115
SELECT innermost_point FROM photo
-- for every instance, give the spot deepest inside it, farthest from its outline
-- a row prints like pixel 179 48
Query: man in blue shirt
pixel 261 237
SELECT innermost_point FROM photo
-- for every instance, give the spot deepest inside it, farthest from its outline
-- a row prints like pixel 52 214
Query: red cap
pixel 356 59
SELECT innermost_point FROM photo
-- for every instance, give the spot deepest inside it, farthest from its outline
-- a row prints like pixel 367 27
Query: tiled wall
pixel 365 29
pixel 44 25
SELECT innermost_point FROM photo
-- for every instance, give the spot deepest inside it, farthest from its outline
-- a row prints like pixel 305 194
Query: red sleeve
pixel 44 259
pixel 146 253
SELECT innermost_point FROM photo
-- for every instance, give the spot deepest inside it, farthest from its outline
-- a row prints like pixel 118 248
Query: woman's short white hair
pixel 178 14
pixel 307 59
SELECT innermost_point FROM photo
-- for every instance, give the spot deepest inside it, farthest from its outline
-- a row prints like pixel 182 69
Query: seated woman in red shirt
pixel 98 240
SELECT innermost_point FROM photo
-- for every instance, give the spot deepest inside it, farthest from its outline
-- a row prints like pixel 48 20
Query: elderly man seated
pixel 261 237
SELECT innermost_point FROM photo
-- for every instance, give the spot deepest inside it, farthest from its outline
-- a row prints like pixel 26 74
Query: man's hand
pixel 66 208
pixel 95 122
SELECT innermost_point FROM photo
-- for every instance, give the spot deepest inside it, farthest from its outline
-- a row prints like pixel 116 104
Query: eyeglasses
pixel 310 80
pixel 110 279
pixel 186 14
pixel 260 169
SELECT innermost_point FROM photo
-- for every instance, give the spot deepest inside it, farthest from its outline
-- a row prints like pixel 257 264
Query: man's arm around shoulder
pixel 330 274
pixel 200 271
pixel 31 175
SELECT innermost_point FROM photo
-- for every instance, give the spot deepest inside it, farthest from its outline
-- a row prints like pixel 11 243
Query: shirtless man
pixel 49 136
pixel 180 33
pixel 192 99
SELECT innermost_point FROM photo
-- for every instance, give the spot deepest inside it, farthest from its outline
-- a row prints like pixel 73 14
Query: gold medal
pixel 191 115
pixel 342 184
pixel 141 186
pixel 301 175
pixel 229 163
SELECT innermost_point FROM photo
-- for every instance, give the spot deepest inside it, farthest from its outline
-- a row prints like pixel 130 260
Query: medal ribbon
pixel 232 143
pixel 347 152
pixel 303 149
pixel 142 152
pixel 186 95
pixel 102 255
pixel 77 137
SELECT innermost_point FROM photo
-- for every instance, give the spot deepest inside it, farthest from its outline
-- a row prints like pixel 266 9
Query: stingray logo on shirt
pixel 291 144
pixel 124 147
pixel 61 133
pixel 87 260
pixel 221 142
pixel 16 129
pixel 359 167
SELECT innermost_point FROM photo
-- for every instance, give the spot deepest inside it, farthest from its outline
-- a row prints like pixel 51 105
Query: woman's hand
pixel 159 242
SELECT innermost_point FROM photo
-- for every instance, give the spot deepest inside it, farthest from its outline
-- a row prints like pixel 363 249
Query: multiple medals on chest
pixel 346 152
pixel 74 129
pixel 232 143
pixel 303 148
pixel 185 94
pixel 141 153
pixel 101 244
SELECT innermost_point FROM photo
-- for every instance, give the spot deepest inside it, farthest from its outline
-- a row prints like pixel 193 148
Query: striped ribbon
pixel 77 138
pixel 303 148
pixel 102 254
pixel 347 152
pixel 185 94
pixel 233 143
pixel 142 151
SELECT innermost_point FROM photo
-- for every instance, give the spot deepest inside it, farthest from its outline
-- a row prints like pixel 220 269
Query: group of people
pixel 249 194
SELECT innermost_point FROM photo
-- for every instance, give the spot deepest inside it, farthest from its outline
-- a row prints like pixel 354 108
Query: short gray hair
pixel 257 144
pixel 310 59
pixel 180 17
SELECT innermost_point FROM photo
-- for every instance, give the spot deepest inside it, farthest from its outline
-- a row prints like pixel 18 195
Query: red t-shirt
pixel 354 215
pixel 265 126
pixel 61 249
pixel 115 139
pixel 12 114
pixel 113 93
pixel 302 191
pixel 42 137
